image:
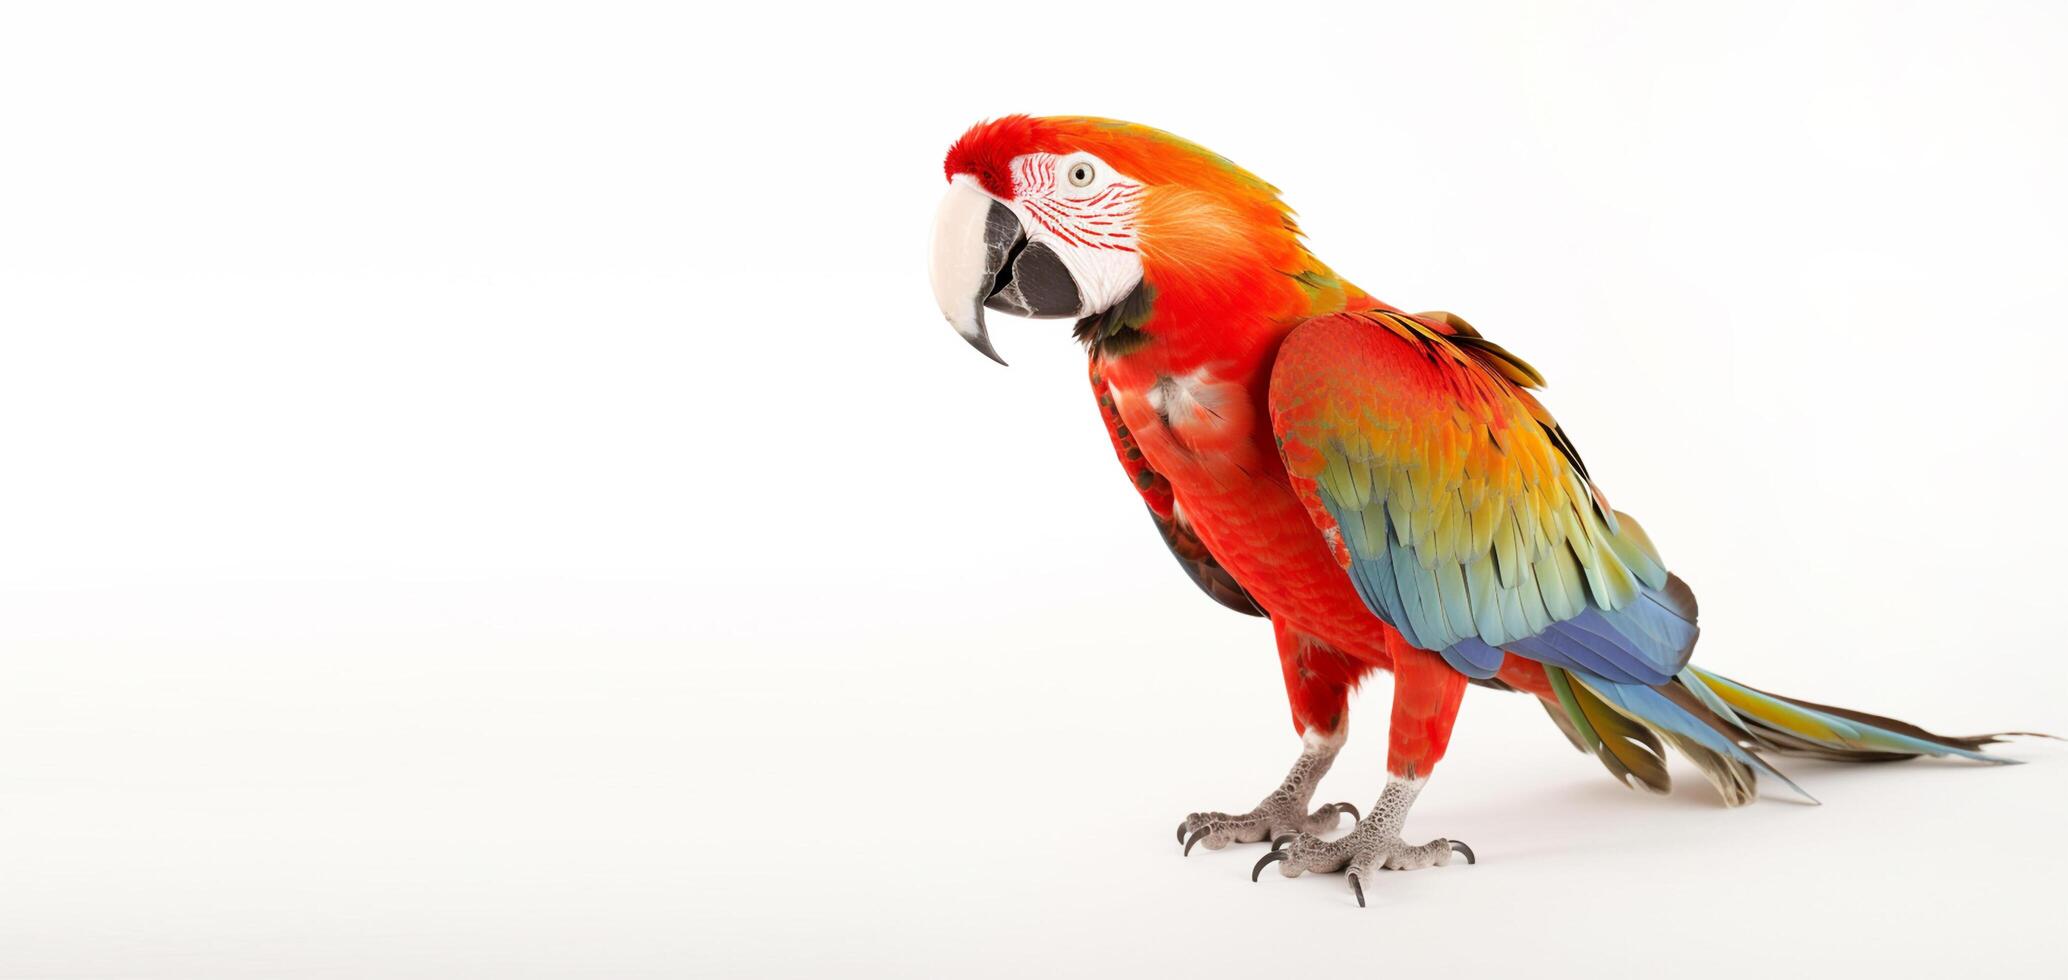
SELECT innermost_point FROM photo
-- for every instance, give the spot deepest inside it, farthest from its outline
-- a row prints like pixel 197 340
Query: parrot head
pixel 1084 218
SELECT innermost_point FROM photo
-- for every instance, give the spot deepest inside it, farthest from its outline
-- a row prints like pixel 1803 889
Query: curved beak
pixel 981 257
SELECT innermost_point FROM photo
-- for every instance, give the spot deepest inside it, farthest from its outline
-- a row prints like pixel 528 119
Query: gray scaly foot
pixel 1375 844
pixel 1284 811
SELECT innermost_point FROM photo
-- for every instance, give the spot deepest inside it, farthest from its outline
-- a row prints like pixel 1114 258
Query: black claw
pixel 1359 889
pixel 1354 815
pixel 1181 829
pixel 1264 862
pixel 1460 847
pixel 1279 841
pixel 1196 836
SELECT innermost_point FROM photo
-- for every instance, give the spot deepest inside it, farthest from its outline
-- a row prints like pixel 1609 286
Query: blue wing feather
pixel 1644 642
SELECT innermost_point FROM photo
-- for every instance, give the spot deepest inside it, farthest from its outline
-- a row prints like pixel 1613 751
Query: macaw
pixel 1382 485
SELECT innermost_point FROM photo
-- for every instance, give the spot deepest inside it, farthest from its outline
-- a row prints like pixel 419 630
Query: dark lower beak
pixel 981 258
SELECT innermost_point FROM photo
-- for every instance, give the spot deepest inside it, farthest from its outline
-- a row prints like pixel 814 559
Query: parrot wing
pixel 1198 563
pixel 1459 508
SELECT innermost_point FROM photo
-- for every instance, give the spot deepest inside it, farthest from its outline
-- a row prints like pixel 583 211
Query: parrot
pixel 1384 487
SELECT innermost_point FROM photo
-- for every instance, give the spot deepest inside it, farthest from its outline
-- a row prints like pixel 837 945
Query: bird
pixel 1384 487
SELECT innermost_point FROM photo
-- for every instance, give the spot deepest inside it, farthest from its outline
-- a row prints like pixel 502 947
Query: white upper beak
pixel 965 260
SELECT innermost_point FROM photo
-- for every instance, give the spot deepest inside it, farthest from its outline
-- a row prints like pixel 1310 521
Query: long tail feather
pixel 1671 709
pixel 1722 725
pixel 1787 725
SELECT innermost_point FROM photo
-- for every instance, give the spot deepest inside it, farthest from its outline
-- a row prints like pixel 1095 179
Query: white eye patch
pixel 1085 211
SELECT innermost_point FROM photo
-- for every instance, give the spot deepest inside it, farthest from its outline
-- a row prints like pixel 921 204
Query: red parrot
pixel 1382 485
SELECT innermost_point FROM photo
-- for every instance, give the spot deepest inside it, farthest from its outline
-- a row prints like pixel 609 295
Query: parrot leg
pixel 1318 679
pixel 1426 693
pixel 1285 810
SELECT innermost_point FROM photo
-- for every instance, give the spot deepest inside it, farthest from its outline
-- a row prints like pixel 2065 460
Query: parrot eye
pixel 1081 174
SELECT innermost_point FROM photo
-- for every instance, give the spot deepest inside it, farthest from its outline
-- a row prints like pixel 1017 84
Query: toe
pixel 1433 854
pixel 1216 834
pixel 1311 853
pixel 1327 818
pixel 1214 830
pixel 1195 822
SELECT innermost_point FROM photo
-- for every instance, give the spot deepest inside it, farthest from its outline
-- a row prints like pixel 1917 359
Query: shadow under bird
pixel 1381 484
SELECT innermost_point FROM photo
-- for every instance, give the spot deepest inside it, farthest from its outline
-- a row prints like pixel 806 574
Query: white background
pixel 484 490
